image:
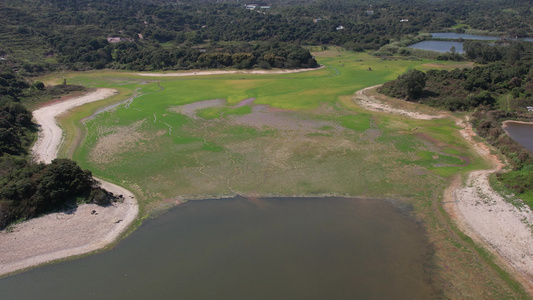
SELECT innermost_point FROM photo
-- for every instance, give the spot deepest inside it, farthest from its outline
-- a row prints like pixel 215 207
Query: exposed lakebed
pixel 274 248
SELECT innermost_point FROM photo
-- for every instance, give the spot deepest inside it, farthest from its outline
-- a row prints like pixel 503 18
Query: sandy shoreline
pixel 368 102
pixel 60 235
pixel 222 72
pixel 506 230
pixel 482 213
pixel 518 122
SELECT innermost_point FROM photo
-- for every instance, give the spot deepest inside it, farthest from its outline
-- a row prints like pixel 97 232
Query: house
pixel 264 7
pixel 404 20
pixel 340 27
pixel 251 6
pixel 529 108
pixel 117 39
pixel 369 12
pixel 316 20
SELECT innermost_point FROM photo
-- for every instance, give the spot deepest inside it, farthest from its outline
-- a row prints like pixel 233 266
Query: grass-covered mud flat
pixel 172 139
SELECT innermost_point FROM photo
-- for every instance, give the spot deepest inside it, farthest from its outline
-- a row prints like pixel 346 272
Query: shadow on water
pixel 252 248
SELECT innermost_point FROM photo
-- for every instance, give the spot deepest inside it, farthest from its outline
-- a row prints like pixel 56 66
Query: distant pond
pixel 240 248
pixel 445 46
pixel 439 46
pixel 465 36
pixel 521 132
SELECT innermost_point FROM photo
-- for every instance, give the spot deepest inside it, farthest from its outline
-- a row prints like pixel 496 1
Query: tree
pixel 411 83
pixel 453 50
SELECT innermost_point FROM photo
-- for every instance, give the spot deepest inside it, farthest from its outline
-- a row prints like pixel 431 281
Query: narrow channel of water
pixel 275 248
pixel 439 46
pixel 466 36
pixel 521 132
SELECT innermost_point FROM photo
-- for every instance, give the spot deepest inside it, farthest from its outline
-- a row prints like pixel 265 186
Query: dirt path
pixel 487 217
pixel 371 103
pixel 214 72
pixel 507 231
pixel 55 236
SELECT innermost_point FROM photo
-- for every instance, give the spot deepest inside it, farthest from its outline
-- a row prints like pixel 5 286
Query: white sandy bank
pixel 221 72
pixel 59 235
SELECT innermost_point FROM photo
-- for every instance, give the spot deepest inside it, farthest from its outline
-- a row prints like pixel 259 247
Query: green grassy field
pixel 302 135
pixel 168 155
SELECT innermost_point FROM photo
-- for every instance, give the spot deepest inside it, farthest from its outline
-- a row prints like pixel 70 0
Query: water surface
pixel 276 248
pixel 521 132
pixel 439 46
pixel 465 36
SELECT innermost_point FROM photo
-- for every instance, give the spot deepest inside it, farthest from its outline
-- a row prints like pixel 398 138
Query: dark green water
pixel 276 248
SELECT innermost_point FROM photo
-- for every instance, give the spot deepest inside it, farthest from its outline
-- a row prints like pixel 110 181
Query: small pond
pixel 521 132
pixel 445 46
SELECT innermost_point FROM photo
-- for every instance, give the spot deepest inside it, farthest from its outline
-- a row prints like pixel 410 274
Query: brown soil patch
pixel 368 99
pixel 123 139
pixel 448 66
pixel 262 116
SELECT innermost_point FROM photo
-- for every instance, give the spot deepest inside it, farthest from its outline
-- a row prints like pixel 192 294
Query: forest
pixel 45 35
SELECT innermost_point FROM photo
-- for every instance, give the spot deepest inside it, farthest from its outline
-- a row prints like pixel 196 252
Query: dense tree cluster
pixel 128 55
pixel 15 125
pixel 409 85
pixel 34 189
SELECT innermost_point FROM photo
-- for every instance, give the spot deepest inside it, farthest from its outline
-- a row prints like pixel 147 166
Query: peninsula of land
pixel 60 235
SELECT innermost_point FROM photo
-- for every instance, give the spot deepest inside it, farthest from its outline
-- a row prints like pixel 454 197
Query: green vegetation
pixel 498 91
pixel 161 143
pixel 30 190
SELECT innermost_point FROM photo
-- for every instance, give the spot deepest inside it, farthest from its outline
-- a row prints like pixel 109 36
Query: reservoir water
pixel 439 46
pixel 274 248
pixel 444 46
pixel 521 132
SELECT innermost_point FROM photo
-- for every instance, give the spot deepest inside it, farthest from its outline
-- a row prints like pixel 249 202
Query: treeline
pixel 44 35
pixel 28 189
pixel 99 53
pixel 509 73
